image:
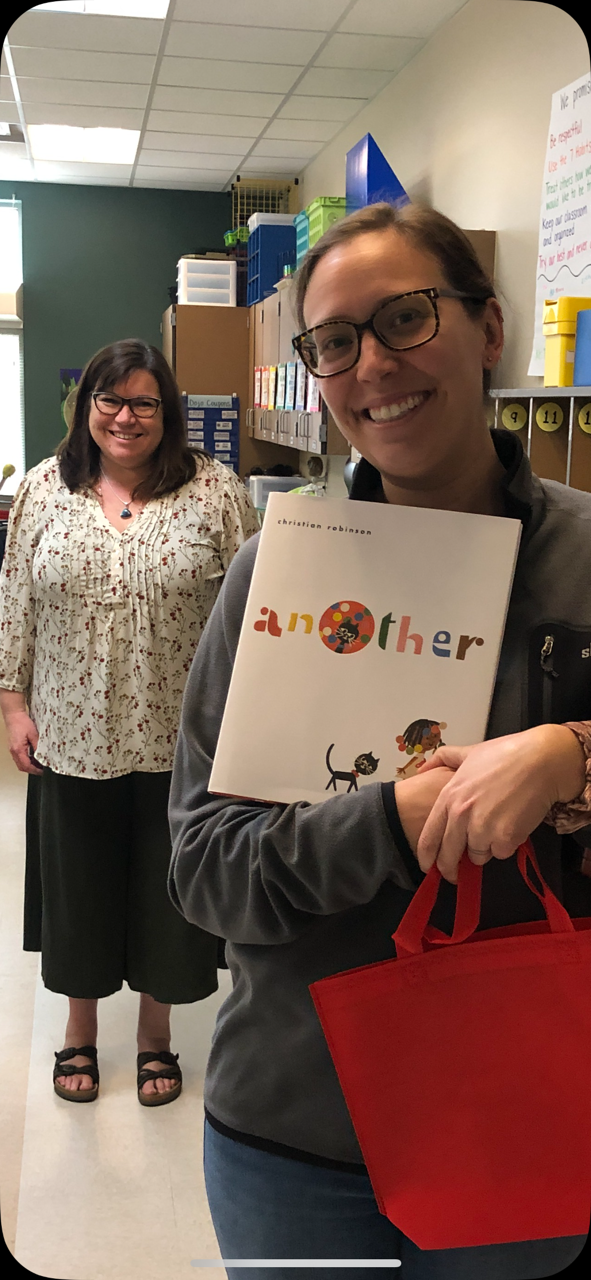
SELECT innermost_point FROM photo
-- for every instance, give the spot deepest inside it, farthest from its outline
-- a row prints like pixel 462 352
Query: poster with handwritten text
pixel 564 250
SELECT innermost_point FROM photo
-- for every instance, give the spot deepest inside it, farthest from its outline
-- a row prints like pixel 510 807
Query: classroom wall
pixel 464 126
pixel 97 265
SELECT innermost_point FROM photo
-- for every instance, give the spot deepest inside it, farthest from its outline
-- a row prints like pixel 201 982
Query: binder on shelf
pixel 300 390
pixel 290 380
pixel 396 638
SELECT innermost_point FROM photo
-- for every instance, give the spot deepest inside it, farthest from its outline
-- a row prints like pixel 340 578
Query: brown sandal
pixel 171 1071
pixel 65 1068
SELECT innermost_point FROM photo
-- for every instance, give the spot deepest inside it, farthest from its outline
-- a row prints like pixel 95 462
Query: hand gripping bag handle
pixel 414 929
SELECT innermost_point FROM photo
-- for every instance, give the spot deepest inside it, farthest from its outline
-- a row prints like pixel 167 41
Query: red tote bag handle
pixel 414 929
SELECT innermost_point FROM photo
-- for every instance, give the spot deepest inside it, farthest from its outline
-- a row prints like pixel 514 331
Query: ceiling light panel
pixel 243 44
pixel 376 53
pixel 305 15
pixel 204 73
pixel 77 31
pixel 403 18
pixel 88 146
pixel 134 68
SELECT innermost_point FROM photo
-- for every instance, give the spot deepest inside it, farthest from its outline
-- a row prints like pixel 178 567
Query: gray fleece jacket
pixel 301 891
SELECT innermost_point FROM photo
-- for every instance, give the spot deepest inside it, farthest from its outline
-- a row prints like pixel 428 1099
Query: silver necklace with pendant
pixel 125 514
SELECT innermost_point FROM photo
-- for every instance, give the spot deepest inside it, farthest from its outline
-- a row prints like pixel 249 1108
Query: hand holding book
pixel 500 791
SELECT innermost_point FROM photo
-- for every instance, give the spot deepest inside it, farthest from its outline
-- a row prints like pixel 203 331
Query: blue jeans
pixel 270 1206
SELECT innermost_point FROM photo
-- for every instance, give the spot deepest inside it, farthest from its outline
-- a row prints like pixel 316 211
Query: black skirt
pixel 96 898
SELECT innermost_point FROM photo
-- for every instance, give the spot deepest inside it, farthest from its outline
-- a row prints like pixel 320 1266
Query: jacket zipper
pixel 547 665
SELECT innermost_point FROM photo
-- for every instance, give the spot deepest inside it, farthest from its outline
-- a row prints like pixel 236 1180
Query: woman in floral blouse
pixel 116 551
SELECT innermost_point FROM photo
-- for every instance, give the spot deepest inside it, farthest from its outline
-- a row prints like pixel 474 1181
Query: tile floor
pixel 110 1189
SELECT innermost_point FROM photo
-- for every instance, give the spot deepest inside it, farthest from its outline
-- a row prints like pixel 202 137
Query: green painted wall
pixel 97 264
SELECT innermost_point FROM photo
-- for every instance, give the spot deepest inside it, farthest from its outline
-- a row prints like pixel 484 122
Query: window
pixel 12 443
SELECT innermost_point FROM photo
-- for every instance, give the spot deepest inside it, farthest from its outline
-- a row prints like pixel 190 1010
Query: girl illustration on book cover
pixel 420 737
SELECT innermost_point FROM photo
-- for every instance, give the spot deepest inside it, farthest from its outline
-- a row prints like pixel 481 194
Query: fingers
pixel 431 836
pixel 25 762
pixel 451 757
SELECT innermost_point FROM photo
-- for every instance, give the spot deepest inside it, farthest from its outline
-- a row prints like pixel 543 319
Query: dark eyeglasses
pixel 401 323
pixel 110 405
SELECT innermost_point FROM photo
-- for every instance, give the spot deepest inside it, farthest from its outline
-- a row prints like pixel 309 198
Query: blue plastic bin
pixel 302 229
pixel 270 249
pixel 582 369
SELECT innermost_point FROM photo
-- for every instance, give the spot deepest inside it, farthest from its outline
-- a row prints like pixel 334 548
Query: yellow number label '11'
pixel 549 416
pixel 584 419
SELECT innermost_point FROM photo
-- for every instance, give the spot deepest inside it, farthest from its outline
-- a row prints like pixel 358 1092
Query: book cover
pixel 371 637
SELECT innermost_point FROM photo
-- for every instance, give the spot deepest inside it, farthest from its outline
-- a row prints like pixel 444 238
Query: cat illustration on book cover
pixel 420 737
pixel 365 764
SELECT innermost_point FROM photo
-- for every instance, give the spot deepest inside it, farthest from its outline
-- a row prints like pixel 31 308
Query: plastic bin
pixel 322 213
pixel 301 225
pixel 261 486
pixel 230 237
pixel 207 282
pixel 269 220
pixel 270 249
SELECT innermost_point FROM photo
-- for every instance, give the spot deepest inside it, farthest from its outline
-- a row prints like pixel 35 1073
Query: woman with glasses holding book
pixel 116 551
pixel 401 325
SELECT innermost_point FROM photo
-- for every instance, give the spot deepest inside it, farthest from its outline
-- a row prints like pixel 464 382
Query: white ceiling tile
pixel 309 130
pixel 287 150
pixel 83 117
pixel 6 94
pixel 214 125
pixel 177 185
pixel 86 31
pixel 10 150
pixel 9 112
pixel 204 73
pixel 217 144
pixel 136 68
pixel 14 168
pixel 301 107
pixel 311 15
pixel 402 18
pixel 243 44
pixel 3 66
pixel 332 81
pixel 378 53
pixel 189 159
pixel 191 175
pixel 267 166
pixel 87 93
pixel 173 98
pixel 121 172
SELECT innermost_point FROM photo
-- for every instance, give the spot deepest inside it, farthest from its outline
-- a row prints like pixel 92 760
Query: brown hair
pixel 172 464
pixel 426 229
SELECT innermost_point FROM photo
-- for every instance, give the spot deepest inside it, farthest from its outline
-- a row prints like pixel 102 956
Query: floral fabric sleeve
pixel 17 604
pixel 571 816
pixel 239 519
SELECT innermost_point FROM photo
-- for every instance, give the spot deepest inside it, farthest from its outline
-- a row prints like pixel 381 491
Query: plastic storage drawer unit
pixel 270 249
pixel 322 213
pixel 301 225
pixel 207 282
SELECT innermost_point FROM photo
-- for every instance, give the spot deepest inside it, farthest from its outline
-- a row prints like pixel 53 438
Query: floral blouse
pixel 98 628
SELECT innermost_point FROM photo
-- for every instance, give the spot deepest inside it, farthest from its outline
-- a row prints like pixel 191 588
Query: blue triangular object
pixel 370 178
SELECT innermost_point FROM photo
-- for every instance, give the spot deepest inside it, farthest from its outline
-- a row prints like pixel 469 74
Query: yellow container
pixel 564 310
pixel 559 360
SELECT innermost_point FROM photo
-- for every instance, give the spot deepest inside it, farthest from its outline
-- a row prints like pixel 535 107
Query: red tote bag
pixel 466 1069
